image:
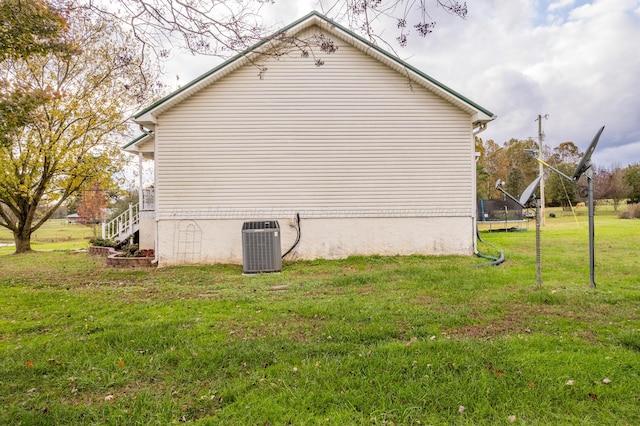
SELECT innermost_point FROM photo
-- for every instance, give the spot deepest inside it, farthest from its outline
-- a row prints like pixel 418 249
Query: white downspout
pixel 481 128
pixel 140 192
pixel 155 259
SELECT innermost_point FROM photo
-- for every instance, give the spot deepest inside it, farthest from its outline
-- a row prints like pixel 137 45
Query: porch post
pixel 130 219
pixel 140 193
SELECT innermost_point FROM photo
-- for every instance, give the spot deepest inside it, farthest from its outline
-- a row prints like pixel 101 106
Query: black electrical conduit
pixel 495 261
pixel 297 238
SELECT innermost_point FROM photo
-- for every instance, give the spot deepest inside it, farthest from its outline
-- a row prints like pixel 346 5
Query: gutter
pixel 481 128
pixel 155 259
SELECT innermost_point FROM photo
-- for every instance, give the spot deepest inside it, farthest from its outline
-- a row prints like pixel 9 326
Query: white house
pixel 374 156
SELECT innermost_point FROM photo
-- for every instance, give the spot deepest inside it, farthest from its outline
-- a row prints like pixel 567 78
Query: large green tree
pixel 632 178
pixel 558 190
pixel 609 184
pixel 524 166
pixel 512 164
pixel 29 28
pixel 75 134
pixel 565 152
pixel 509 163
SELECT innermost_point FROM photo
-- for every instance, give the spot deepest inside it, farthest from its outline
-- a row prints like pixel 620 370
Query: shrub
pixel 102 242
pixel 131 250
pixel 632 212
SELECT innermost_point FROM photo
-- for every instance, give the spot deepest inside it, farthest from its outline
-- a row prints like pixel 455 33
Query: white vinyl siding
pixel 351 138
pixel 147 146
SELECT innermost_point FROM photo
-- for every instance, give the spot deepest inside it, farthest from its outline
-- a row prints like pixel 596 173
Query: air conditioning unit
pixel 261 247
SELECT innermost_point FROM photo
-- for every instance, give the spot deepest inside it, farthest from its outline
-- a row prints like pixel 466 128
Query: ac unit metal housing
pixel 261 247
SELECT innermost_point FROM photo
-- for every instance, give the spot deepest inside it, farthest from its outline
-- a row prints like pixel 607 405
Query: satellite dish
pixel 526 195
pixel 528 192
pixel 586 160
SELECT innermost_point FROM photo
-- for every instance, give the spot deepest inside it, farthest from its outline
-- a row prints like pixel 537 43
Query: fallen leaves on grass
pixel 498 373
pixel 28 363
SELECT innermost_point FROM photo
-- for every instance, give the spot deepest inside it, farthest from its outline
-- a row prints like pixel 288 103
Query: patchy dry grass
pixel 376 340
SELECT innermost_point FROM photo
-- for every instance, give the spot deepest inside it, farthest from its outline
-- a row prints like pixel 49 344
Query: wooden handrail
pixel 122 226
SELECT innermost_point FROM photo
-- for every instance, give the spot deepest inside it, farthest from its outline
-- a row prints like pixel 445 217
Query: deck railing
pixel 123 226
pixel 148 199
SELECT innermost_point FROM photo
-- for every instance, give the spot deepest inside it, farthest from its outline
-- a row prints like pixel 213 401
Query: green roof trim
pixel 287 28
pixel 222 65
pixel 136 140
pixel 406 65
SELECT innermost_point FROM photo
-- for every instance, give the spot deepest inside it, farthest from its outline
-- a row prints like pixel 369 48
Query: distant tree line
pixel 510 163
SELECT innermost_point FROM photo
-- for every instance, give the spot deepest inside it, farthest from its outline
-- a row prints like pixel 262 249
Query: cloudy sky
pixel 575 62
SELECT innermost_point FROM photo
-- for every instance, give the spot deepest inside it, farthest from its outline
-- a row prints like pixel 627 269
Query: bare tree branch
pixel 225 27
pixel 410 17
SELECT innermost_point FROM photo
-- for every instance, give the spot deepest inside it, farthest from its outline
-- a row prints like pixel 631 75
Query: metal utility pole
pixel 538 249
pixel 592 258
pixel 541 167
pixel 585 168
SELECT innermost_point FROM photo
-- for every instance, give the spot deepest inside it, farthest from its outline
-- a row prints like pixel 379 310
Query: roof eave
pixel 399 65
pixel 481 118
pixel 133 146
pixel 147 117
pixel 147 120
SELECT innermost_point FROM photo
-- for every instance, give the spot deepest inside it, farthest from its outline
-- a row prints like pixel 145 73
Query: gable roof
pixel 147 117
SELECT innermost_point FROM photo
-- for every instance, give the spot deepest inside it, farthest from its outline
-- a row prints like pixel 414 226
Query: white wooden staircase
pixel 123 226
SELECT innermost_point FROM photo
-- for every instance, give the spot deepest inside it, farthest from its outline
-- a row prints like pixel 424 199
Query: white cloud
pixel 561 4
pixel 583 72
pixel 616 156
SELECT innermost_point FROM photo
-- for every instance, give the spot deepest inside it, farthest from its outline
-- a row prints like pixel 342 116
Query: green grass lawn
pixel 57 234
pixel 366 340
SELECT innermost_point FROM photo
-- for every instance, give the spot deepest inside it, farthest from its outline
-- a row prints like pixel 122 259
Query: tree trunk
pixel 23 241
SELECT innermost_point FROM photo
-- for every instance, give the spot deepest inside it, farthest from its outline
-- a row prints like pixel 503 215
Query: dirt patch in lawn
pixel 518 319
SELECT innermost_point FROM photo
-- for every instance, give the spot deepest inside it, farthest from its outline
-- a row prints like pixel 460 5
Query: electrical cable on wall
pixel 297 237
